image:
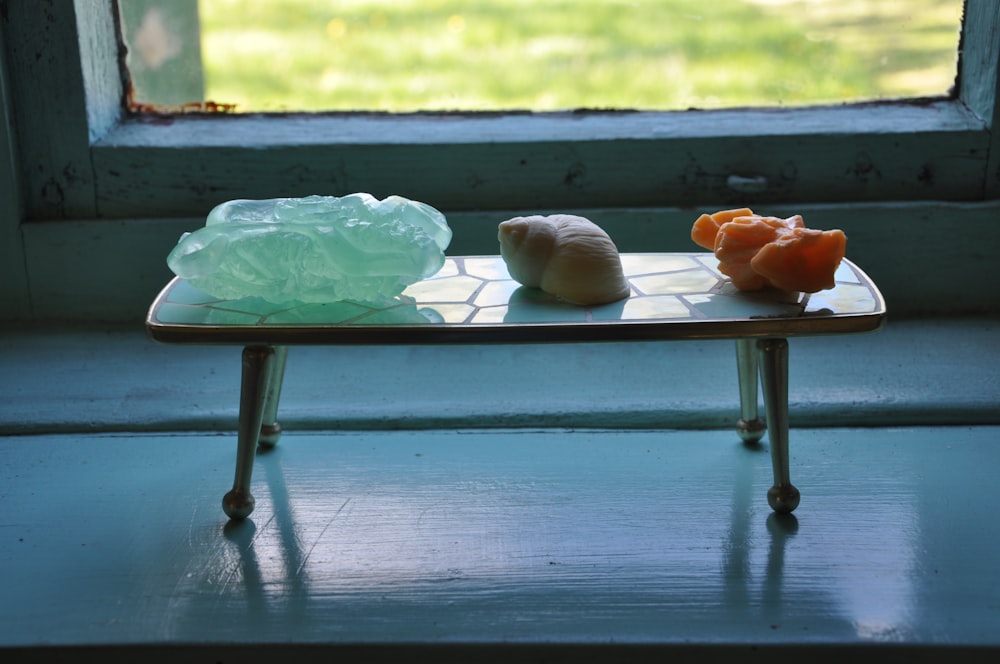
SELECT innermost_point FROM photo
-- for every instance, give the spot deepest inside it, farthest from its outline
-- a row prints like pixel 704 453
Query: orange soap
pixel 756 251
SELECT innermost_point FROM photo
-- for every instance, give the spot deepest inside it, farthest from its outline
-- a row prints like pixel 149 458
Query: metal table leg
pixel 270 429
pixel 783 497
pixel 258 368
pixel 750 427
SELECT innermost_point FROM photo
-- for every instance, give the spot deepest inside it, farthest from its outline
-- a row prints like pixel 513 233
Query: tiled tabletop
pixel 473 298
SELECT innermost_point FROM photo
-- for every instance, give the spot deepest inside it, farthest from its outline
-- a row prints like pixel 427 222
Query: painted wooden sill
pixel 913 372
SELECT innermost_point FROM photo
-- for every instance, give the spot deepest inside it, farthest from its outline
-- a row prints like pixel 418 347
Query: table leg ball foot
pixel 783 499
pixel 269 435
pixel 237 504
pixel 751 431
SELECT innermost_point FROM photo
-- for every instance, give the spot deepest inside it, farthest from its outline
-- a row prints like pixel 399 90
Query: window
pixel 486 162
pixel 387 55
pixel 118 188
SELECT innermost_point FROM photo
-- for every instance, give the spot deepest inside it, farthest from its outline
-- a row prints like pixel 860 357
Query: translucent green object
pixel 313 249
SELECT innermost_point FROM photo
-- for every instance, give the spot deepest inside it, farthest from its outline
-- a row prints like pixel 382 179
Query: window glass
pixel 408 55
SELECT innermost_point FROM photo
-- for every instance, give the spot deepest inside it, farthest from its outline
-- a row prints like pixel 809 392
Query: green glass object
pixel 313 249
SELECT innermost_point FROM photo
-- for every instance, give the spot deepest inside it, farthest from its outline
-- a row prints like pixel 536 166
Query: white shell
pixel 565 255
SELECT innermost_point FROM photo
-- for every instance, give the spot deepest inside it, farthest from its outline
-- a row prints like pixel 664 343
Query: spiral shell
pixel 564 255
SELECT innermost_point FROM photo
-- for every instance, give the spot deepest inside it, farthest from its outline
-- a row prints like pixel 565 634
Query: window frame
pixel 77 156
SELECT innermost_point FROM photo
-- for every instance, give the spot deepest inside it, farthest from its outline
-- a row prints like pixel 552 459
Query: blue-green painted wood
pixel 14 292
pixel 924 372
pixel 592 160
pixel 103 89
pixel 927 258
pixel 656 538
pixel 979 78
pixel 51 114
pixel 978 62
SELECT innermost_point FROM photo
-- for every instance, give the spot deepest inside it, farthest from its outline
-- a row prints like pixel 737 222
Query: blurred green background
pixel 405 55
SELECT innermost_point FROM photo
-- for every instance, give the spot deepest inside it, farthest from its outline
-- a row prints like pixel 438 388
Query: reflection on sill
pixel 514 551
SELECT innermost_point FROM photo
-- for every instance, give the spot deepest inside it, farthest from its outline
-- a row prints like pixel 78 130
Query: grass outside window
pixel 408 55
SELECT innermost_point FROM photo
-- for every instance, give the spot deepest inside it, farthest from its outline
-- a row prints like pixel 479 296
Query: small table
pixel 472 299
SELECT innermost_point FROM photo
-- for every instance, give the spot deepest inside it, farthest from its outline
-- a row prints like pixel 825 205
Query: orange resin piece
pixel 707 225
pixel 756 251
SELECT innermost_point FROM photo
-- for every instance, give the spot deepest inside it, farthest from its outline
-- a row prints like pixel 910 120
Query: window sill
pixel 605 523
pixel 912 372
pixel 257 131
